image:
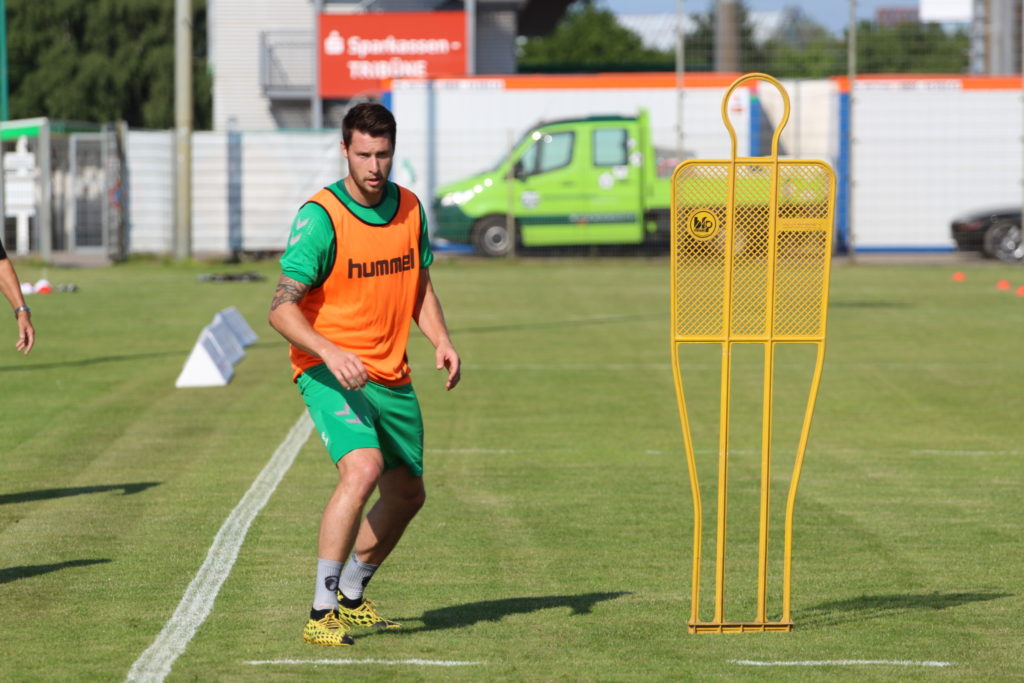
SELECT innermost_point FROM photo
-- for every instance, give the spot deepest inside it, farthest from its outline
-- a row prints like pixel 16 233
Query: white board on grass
pixel 226 339
pixel 237 323
pixel 221 345
pixel 206 366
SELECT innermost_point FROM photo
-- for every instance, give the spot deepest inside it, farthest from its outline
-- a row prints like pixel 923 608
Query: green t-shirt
pixel 309 255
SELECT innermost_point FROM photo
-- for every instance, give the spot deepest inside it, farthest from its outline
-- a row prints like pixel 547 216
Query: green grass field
pixel 555 543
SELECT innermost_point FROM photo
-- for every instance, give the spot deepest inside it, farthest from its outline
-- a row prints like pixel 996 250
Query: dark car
pixel 993 232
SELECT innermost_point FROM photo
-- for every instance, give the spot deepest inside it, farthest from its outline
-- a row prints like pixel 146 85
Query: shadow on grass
pixel 601 320
pixel 47 494
pixel 876 606
pixel 97 360
pixel 26 571
pixel 869 304
pixel 458 616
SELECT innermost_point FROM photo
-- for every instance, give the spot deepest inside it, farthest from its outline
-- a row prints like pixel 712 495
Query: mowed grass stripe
pixel 846 662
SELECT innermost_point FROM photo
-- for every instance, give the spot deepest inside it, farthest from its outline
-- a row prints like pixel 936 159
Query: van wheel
pixel 662 236
pixel 491 237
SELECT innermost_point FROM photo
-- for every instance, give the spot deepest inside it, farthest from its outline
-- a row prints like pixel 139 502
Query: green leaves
pixel 101 61
pixel 590 39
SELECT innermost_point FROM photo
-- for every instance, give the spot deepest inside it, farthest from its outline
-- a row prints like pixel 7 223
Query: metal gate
pixel 94 218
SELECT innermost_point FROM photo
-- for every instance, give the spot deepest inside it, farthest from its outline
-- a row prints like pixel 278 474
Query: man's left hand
pixel 447 357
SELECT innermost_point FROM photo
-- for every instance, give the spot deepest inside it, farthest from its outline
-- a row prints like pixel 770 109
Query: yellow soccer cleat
pixel 328 630
pixel 365 616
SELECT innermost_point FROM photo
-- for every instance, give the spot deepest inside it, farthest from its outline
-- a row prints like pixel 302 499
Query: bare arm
pixel 286 317
pixel 430 318
pixel 11 289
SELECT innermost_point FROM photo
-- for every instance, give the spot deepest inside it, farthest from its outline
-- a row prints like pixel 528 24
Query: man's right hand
pixel 347 367
pixel 286 318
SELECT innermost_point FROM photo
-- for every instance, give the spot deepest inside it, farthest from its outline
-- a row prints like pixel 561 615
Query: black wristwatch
pixel 19 309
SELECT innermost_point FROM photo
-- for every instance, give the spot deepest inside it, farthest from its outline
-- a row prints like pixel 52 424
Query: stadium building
pixel 297 63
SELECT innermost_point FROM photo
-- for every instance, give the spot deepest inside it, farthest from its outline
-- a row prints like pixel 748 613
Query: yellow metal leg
pixel 723 485
pixel 787 562
pixel 766 483
pixel 691 463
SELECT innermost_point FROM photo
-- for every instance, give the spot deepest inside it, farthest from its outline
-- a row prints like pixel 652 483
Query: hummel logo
pixel 398 264
pixel 298 235
pixel 348 411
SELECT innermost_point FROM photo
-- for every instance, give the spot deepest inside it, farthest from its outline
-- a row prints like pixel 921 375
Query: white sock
pixel 354 577
pixel 326 595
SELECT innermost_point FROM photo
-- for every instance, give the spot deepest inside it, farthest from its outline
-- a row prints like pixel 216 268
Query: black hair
pixel 371 118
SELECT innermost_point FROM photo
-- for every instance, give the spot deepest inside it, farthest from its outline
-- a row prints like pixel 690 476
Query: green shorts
pixel 376 416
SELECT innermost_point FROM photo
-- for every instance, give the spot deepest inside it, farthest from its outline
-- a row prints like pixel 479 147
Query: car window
pixel 556 151
pixel 529 158
pixel 610 147
pixel 550 151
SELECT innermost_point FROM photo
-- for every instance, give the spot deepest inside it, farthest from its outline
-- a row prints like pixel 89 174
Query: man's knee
pixel 360 470
pixel 402 490
pixel 414 500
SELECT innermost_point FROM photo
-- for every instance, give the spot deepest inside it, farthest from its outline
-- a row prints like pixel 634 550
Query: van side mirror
pixel 517 170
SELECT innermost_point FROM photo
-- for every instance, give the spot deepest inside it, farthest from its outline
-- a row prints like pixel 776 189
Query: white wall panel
pixel 280 171
pixel 812 128
pixel 150 191
pixel 923 155
pixel 209 192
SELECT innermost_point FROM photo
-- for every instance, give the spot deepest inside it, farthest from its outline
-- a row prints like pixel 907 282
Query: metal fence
pixel 64 188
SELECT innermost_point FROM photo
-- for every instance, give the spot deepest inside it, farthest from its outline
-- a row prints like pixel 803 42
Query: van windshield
pixel 505 154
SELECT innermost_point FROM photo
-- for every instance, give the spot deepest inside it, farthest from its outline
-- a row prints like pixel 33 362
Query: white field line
pixel 155 663
pixel 382 662
pixel 843 662
pixel 942 451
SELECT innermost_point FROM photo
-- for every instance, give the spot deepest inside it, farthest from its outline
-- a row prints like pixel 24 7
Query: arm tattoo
pixel 288 291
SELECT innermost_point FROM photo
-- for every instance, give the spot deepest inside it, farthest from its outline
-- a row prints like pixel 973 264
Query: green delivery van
pixel 589 181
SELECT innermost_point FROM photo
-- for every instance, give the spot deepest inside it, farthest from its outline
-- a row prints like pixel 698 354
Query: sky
pixel 832 14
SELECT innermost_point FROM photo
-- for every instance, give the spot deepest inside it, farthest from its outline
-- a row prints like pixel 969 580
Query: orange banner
pixel 358 51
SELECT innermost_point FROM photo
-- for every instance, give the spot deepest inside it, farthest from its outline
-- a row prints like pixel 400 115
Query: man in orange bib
pixel 354 276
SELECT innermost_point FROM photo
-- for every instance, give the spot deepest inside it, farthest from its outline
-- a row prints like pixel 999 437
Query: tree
pixel 911 48
pixel 905 48
pixel 102 60
pixel 591 39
